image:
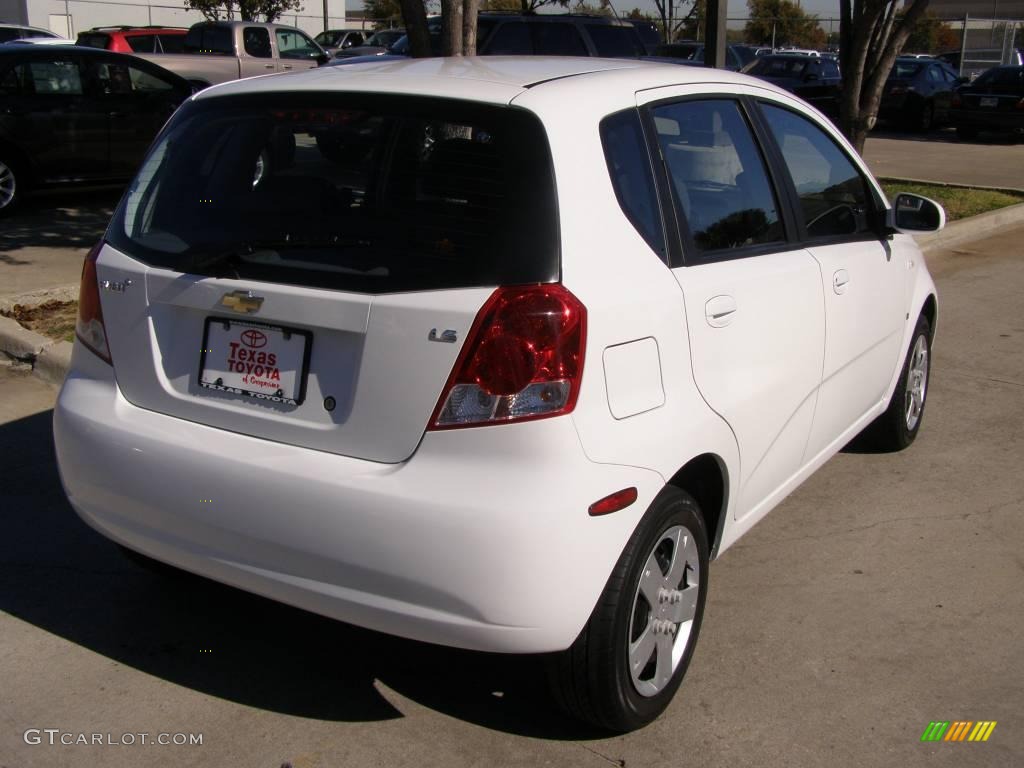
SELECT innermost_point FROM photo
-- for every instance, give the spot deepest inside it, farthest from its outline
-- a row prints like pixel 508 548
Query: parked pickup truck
pixel 218 51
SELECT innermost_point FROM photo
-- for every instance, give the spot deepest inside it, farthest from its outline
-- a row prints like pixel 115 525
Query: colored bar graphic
pixel 982 730
pixel 958 730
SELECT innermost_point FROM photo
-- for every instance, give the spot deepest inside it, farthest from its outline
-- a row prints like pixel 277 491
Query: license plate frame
pixel 988 101
pixel 265 396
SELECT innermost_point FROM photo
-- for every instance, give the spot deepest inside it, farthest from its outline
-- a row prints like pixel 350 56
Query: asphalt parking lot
pixel 882 595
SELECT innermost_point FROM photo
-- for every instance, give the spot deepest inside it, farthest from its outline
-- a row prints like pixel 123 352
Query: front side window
pixel 629 166
pixel 835 198
pixel 292 44
pixel 719 178
pixel 367 193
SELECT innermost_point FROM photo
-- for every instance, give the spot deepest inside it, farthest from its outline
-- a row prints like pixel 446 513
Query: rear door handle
pixel 268 66
pixel 839 280
pixel 719 311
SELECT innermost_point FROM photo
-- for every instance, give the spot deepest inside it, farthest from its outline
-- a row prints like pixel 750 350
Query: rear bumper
pixel 1006 121
pixel 481 540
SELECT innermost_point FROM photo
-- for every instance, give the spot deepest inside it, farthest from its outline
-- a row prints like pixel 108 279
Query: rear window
pixel 904 70
pixel 782 66
pixel 93 40
pixel 372 194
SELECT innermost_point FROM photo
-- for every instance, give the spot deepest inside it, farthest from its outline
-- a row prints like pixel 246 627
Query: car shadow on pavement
pixel 62 577
pixel 64 219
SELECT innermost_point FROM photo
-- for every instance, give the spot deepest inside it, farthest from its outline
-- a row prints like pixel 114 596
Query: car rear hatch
pixel 305 268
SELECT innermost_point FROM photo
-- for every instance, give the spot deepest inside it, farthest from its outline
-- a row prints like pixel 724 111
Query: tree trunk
pixel 414 14
pixel 470 9
pixel 451 27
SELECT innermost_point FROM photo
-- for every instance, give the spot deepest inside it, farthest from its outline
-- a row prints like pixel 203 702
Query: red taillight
pixel 956 101
pixel 1020 104
pixel 90 329
pixel 523 359
pixel 613 503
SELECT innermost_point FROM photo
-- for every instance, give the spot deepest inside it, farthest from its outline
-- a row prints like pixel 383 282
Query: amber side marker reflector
pixel 613 503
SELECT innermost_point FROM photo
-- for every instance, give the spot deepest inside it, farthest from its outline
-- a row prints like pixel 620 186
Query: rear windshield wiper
pixel 201 261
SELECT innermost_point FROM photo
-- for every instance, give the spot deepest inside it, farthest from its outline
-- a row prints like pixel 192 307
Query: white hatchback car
pixel 494 353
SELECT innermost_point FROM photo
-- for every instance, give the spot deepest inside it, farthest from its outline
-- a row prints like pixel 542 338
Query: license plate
pixel 264 362
pixel 989 101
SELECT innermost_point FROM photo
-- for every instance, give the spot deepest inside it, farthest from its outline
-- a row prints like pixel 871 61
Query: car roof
pixel 491 79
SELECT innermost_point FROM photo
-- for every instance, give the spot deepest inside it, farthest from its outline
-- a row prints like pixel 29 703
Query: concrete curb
pixel 967 229
pixel 50 360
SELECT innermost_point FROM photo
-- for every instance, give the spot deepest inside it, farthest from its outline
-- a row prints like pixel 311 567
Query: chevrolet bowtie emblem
pixel 242 301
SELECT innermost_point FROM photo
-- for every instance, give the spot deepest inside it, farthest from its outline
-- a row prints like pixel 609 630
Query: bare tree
pixel 458 27
pixel 871 35
pixel 414 14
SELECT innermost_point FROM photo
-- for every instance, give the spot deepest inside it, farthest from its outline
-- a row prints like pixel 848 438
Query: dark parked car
pixel 506 34
pixel 814 79
pixel 75 114
pixel 10 32
pixel 918 92
pixel 135 39
pixel 683 49
pixel 335 40
pixel 377 44
pixel 993 102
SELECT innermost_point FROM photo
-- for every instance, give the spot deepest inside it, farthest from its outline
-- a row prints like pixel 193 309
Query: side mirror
pixel 913 214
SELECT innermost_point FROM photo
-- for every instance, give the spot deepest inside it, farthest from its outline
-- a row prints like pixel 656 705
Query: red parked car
pixel 135 39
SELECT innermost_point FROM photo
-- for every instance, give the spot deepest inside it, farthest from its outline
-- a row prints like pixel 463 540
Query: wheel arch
pixel 930 310
pixel 706 478
pixel 21 158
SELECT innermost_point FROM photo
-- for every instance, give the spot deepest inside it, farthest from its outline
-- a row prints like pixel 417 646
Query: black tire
pixel 592 680
pixel 966 133
pixel 12 184
pixel 894 430
pixel 156 567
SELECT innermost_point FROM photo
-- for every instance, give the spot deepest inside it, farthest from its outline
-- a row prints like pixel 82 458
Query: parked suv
pixel 490 372
pixel 135 39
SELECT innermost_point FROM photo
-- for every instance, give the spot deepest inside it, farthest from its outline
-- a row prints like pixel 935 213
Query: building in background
pixel 69 17
pixel 976 9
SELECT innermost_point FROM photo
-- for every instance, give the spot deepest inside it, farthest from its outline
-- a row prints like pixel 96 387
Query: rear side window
pixel 61 77
pixel 171 43
pixel 558 40
pixel 615 42
pixel 142 43
pixel 257 42
pixel 834 197
pixel 363 193
pixel 718 175
pixel 629 166
pixel 512 39
pixel 209 39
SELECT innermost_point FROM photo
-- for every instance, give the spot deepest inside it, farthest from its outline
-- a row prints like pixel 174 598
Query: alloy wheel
pixel 917 383
pixel 664 608
pixel 8 185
